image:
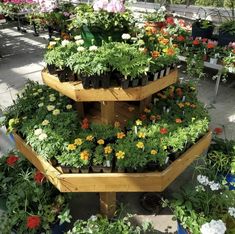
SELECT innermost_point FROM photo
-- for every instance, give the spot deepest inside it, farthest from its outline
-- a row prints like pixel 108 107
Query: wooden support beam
pixel 108 204
pixel 107 112
pixel 80 109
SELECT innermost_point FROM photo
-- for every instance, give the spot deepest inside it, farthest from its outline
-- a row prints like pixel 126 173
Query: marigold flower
pixel 193 106
pixel 146 110
pixel 121 135
pixel 100 141
pixel 78 141
pixel 56 112
pixel 180 104
pixel 180 38
pixel 170 51
pixel 39 177
pixel 187 103
pixel 153 152
pixel 85 126
pixel 71 147
pixel 69 107
pixel 33 222
pixel 178 120
pixel 84 155
pixel 138 122
pixel 50 107
pixel 163 131
pixel 11 160
pixel 120 154
pixel 141 135
pixel 108 149
pixel 45 122
pixel 140 145
pixel 218 131
pixel 89 138
pixel 164 41
pixel 155 54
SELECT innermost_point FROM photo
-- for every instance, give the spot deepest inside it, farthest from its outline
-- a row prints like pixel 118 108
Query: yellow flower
pixel 140 145
pixel 84 155
pixel 45 122
pixel 146 110
pixel 141 135
pixel 187 103
pixel 89 138
pixel 138 122
pixel 78 141
pixel 164 147
pixel 108 150
pixel 120 154
pixel 120 135
pixel 181 105
pixel 116 124
pixel 68 107
pixel 100 141
pixel 153 152
pixel 71 147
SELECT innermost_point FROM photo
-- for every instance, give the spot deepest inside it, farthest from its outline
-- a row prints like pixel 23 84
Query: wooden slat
pixel 107 112
pixel 108 204
pixel 75 91
pixel 116 182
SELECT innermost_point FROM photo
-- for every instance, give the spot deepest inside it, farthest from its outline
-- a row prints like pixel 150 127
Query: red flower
pixel 85 124
pixel 163 131
pixel 33 221
pixel 218 131
pixel 170 20
pixel 181 22
pixel 180 38
pixel 12 159
pixel 143 117
pixel 210 45
pixel 39 177
pixel 178 120
pixel 196 42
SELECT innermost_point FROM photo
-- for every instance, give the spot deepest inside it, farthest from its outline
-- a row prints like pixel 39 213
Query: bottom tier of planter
pixel 114 182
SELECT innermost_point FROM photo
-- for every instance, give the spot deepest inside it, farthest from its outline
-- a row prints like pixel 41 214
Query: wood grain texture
pixel 115 182
pixel 75 91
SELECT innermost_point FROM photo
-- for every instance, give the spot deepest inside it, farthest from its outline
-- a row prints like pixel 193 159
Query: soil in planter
pixel 52 69
pixel 95 82
pixel 86 82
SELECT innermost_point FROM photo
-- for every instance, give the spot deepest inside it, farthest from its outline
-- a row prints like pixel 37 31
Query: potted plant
pixel 202 28
pixel 226 32
pixel 32 203
pixel 99 224
pixel 203 208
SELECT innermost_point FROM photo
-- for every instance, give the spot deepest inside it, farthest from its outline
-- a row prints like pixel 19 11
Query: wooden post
pixel 80 109
pixel 107 112
pixel 144 103
pixel 108 204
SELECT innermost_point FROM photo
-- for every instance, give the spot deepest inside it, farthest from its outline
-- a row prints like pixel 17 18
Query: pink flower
pixel 115 6
pixel 100 5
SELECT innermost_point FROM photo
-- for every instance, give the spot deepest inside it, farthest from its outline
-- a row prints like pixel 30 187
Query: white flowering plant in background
pixel 204 208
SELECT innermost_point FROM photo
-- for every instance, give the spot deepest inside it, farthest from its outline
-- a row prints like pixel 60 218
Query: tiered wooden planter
pixel 107 184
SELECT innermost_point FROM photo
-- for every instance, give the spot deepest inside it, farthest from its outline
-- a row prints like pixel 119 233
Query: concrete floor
pixel 22 59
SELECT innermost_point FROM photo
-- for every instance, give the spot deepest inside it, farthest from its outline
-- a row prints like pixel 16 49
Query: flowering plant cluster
pixel 161 133
pixel 98 224
pixel 207 207
pixel 32 204
pixel 9 7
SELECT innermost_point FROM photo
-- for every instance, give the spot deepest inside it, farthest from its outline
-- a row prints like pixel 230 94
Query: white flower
pixel 65 42
pixel 78 37
pixel 68 107
pixel 162 8
pixel 80 48
pixel 52 43
pixel 141 49
pixel 93 218
pixel 50 107
pixel 52 95
pixel 52 99
pixel 45 122
pixel 56 112
pixel 42 137
pixel 93 48
pixel 214 227
pixel 80 42
pixel 42 98
pixel 38 131
pixel 214 186
pixel 57 38
pixel 231 211
pixel 40 90
pixel 35 94
pixel 126 36
pixel 41 104
pixel 25 117
pixel 203 180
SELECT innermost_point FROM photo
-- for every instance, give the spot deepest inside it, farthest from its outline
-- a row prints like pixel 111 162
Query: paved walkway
pixel 22 59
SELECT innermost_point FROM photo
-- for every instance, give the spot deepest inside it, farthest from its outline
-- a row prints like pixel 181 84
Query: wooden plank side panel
pixel 116 182
pixel 75 91
pixel 39 162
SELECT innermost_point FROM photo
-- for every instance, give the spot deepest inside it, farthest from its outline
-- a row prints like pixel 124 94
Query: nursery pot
pixel 84 169
pixel 52 69
pixel 225 37
pixel 156 75
pixel 95 82
pixel 162 73
pixel 107 169
pixel 144 80
pixel 213 60
pixel 125 83
pixel 86 82
pixel 58 229
pixel 230 178
pixel 197 31
pixel 168 70
pixel 97 169
pixel 150 76
pixel 181 229
pixel 62 75
pixel 134 82
pixel 105 80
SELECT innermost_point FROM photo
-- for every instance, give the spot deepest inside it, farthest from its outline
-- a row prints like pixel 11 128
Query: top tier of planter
pixel 75 90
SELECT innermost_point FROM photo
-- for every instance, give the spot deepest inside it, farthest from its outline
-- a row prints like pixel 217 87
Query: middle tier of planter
pixel 75 90
pixel 114 182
